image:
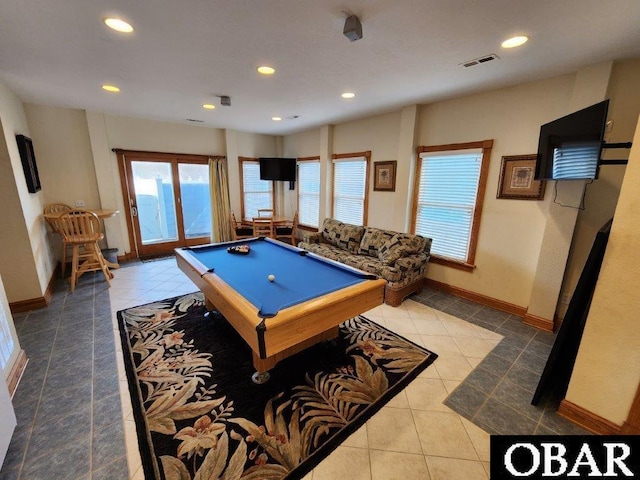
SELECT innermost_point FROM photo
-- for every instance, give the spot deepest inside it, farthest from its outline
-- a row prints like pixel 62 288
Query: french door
pixel 169 200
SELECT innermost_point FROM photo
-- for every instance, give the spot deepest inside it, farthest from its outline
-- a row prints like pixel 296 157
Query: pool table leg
pixel 212 312
pixel 263 365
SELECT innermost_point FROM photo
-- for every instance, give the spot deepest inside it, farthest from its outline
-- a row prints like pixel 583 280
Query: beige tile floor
pixel 414 436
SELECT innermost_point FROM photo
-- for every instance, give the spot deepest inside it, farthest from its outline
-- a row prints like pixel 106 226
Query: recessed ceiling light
pixel 348 95
pixel 276 119
pixel 515 41
pixel 266 70
pixel 208 106
pixel 110 88
pixel 118 25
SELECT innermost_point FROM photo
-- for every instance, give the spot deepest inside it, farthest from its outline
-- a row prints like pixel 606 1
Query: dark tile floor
pixel 497 394
pixel 67 404
pixel 69 415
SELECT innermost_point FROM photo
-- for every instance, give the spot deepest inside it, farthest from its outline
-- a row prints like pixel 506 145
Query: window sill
pixel 467 267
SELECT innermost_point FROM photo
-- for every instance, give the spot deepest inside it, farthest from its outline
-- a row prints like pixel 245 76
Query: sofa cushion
pixel 325 250
pixel 372 240
pixel 400 245
pixel 373 265
pixel 342 235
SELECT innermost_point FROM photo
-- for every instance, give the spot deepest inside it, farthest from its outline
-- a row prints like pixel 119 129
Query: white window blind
pixel 309 192
pixel 257 193
pixel 349 177
pixel 576 160
pixel 447 195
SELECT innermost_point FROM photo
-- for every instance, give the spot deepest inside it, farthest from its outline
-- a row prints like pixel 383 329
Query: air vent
pixel 293 117
pixel 478 61
pixel 194 120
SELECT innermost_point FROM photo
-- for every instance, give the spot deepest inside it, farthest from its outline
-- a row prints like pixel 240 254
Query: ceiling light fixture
pixel 208 106
pixel 118 25
pixel 348 95
pixel 276 119
pixel 515 41
pixel 266 70
pixel 110 88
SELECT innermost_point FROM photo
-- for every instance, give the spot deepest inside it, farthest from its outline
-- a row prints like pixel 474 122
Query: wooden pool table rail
pixel 292 329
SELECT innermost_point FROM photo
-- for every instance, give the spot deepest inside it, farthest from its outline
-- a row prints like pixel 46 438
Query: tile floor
pixel 75 421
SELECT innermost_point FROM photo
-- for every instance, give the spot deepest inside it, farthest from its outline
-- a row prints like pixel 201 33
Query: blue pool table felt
pixel 298 278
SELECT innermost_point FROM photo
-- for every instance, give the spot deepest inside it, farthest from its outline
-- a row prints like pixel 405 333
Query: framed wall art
pixel 384 176
pixel 28 158
pixel 517 178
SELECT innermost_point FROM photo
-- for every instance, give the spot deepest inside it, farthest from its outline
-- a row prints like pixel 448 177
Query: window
pixel 350 187
pixel 450 183
pixel 256 193
pixel 309 191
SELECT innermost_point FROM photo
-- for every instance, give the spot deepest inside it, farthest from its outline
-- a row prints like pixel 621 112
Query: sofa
pixel 399 258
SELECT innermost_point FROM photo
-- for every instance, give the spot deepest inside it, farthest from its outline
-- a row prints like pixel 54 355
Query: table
pixel 304 305
pixel 276 219
pixel 102 213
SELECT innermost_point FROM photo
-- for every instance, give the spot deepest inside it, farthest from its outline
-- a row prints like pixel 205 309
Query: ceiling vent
pixel 194 120
pixel 478 61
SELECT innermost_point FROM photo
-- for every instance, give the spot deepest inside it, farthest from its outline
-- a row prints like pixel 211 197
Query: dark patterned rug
pixel 199 415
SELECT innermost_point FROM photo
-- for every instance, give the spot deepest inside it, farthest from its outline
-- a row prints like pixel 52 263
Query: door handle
pixel 134 211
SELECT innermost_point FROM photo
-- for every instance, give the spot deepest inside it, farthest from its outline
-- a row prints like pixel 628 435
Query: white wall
pixel 25 260
pixel 511 230
pixel 607 369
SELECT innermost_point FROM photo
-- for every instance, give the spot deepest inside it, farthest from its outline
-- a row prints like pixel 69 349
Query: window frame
pixel 367 158
pixel 486 147
pixel 242 161
pixel 309 159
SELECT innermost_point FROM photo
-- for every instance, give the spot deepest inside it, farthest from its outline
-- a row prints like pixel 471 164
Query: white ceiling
pixel 184 53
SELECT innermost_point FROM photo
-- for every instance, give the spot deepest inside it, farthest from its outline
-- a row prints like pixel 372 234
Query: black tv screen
pixel 569 148
pixel 283 169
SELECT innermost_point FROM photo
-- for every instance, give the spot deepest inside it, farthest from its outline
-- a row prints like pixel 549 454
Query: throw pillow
pixel 372 240
pixel 400 245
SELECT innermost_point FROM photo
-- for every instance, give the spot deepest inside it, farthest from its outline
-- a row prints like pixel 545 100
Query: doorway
pixel 169 201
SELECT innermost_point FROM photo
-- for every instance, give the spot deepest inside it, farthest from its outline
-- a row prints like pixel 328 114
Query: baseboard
pixel 478 298
pixel 39 302
pixel 26 305
pixel 539 322
pixel 586 419
pixel 15 374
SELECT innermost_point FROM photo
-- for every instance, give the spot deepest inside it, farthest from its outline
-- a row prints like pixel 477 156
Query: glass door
pixel 169 202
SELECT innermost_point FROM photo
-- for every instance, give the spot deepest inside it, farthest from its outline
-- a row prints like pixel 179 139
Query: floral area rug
pixel 199 416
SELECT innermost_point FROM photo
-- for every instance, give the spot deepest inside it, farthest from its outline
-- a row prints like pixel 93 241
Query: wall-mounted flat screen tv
pixel 282 169
pixel 569 148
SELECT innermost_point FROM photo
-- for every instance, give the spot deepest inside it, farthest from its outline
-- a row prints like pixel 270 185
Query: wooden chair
pixel 240 230
pixel 53 208
pixel 81 229
pixel 263 227
pixel 288 231
pixel 265 212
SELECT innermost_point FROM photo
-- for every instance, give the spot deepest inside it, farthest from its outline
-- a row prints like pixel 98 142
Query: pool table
pixel 305 303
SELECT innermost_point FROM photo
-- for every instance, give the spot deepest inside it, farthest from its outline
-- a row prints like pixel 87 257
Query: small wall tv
pixel 279 169
pixel 570 147
pixel 28 158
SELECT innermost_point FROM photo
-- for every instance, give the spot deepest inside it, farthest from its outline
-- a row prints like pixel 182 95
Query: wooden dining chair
pixel 263 227
pixel 265 212
pixel 240 230
pixel 81 229
pixel 288 231
pixel 53 222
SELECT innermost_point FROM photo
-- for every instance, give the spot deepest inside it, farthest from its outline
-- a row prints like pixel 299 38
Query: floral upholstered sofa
pixel 399 258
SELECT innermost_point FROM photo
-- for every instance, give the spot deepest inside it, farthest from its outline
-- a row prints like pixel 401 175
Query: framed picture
pixel 28 158
pixel 517 178
pixel 384 176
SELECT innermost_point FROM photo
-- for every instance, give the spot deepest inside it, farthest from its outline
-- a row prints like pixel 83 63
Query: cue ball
pixel 271 278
